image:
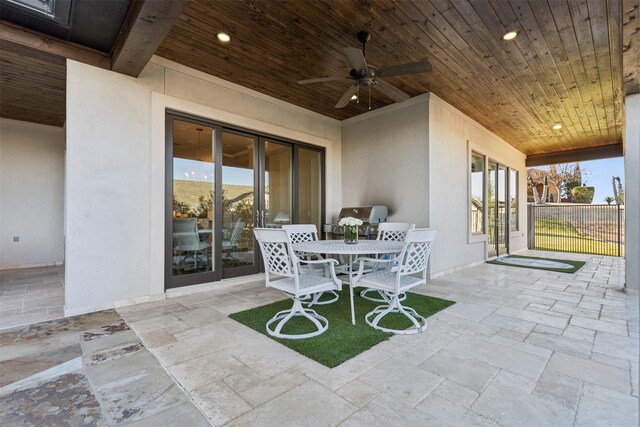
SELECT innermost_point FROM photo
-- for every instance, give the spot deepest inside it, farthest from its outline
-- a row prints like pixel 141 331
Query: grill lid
pixel 368 214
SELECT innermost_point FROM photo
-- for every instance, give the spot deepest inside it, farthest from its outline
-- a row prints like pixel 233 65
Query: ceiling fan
pixel 364 75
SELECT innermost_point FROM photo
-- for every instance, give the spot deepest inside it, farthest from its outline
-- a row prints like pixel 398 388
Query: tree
pixel 618 191
pixel 608 199
pixel 566 176
pixel 534 190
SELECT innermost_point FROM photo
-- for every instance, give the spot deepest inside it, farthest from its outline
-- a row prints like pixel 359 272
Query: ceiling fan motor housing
pixel 364 37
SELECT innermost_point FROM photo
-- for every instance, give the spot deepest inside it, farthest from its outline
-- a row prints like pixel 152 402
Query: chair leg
pixel 379 296
pixel 318 295
pixel 395 306
pixel 320 322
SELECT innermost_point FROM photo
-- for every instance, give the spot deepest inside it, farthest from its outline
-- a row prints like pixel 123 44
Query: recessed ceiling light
pixel 224 37
pixel 354 97
pixel 510 35
pixel 557 126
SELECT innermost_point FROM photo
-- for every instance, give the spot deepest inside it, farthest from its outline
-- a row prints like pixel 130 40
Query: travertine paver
pixel 521 347
pixel 31 295
pixel 86 370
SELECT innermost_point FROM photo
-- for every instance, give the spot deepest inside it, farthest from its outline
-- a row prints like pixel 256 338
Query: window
pixel 477 193
pixel 513 199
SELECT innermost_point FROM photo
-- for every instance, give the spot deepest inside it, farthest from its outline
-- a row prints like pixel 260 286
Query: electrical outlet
pixel 16 238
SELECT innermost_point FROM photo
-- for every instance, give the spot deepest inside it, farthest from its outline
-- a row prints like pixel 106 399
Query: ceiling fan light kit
pixel 364 75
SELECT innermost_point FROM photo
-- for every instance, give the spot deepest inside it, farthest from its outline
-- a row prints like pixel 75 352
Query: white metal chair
pixel 391 232
pixel 299 233
pixel 187 240
pixel 411 261
pixel 231 245
pixel 280 259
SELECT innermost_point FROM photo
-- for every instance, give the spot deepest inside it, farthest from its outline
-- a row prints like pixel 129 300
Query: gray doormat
pixel 549 264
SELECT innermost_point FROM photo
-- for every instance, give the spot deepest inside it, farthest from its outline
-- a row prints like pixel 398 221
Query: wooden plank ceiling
pixel 32 63
pixel 32 85
pixel 564 67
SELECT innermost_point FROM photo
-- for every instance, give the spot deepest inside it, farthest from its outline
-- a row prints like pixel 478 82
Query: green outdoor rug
pixel 549 264
pixel 342 340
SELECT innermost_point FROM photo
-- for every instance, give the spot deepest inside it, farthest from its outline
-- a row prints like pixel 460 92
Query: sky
pixel 598 174
pixel 196 170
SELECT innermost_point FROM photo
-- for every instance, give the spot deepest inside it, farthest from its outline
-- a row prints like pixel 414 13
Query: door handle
pixel 262 217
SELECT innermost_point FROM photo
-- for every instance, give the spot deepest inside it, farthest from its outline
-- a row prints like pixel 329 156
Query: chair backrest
pixel 236 231
pixel 300 233
pixel 185 233
pixel 276 251
pixel 415 253
pixel 394 231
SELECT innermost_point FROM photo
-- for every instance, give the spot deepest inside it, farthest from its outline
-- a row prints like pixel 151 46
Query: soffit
pixel 32 85
pixel 565 66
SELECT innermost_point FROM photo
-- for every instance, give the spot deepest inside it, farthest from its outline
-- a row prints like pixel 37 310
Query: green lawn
pixel 561 236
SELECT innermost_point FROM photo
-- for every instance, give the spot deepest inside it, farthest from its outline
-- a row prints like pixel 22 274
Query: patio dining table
pixel 339 247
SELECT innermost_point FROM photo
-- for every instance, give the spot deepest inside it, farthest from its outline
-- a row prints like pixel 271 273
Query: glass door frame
pixel 260 138
pixel 494 250
pixel 295 206
pixel 258 204
pixel 171 281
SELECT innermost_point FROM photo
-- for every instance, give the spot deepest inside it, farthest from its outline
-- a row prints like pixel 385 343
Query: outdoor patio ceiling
pixel 564 67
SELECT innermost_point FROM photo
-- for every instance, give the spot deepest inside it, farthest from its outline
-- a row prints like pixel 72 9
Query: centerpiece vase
pixel 351 234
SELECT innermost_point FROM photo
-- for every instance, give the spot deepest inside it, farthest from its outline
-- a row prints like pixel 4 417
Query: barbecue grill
pixel 370 216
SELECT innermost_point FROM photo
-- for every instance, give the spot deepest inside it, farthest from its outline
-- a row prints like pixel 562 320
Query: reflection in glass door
pixel 309 171
pixel 239 204
pixel 491 208
pixel 502 211
pixel 191 257
pixel 497 219
pixel 277 184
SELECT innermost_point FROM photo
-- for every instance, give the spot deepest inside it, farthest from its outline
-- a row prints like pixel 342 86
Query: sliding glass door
pixel 240 203
pixel 278 184
pixel 223 182
pixel 309 171
pixel 191 187
pixel 497 211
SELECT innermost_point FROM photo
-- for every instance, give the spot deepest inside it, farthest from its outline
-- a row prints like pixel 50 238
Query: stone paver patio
pixel 520 347
pixel 31 295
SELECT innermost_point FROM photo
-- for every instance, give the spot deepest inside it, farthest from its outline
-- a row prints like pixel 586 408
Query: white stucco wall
pixel 632 192
pixel 115 169
pixel 414 158
pixel 31 194
pixel 384 158
pixel 452 135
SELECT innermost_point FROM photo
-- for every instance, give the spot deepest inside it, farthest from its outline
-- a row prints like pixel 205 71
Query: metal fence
pixel 588 229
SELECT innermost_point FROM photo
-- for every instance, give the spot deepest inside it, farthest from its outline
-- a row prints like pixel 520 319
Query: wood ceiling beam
pixel 19 35
pixel 579 155
pixel 631 46
pixel 144 28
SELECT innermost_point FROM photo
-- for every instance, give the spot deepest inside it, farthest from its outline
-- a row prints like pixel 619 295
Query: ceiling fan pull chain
pixel 369 86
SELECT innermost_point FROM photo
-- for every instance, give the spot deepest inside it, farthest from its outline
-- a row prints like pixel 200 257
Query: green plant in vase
pixel 350 225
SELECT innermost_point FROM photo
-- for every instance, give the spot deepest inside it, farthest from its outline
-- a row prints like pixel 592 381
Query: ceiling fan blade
pixel 347 96
pixel 391 91
pixel 322 79
pixel 356 58
pixel 404 69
